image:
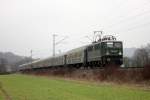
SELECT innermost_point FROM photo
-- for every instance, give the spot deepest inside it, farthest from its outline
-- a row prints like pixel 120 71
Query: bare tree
pixel 141 56
pixel 3 63
pixel 127 62
pixel 148 50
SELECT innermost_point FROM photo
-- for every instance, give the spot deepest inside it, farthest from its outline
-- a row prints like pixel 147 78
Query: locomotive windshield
pixel 114 44
pixel 117 45
pixel 110 44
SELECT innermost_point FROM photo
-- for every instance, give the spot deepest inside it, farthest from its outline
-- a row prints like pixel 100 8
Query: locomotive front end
pixel 112 52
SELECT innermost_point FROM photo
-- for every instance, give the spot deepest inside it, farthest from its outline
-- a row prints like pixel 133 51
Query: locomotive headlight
pixel 107 53
pixel 120 53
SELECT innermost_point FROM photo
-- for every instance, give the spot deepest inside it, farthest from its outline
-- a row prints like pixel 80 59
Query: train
pixel 100 53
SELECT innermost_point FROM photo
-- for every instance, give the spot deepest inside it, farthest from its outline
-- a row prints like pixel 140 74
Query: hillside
pixel 11 60
pixel 11 57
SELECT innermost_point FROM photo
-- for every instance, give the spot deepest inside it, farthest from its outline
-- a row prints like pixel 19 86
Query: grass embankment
pixel 25 87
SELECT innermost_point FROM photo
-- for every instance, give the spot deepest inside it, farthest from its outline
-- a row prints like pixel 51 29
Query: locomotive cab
pixel 105 51
pixel 111 50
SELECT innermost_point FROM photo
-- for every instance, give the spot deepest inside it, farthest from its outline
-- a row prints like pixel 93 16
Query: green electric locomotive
pixel 107 50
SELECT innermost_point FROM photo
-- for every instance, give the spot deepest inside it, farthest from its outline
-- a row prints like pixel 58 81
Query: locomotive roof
pixel 100 42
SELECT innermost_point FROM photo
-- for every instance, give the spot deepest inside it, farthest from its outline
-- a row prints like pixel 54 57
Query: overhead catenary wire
pixel 137 27
pixel 128 19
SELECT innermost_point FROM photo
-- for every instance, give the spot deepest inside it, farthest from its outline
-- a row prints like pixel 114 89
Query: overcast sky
pixel 29 24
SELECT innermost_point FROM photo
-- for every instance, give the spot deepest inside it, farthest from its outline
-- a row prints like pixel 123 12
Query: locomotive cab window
pixel 117 45
pixel 110 44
